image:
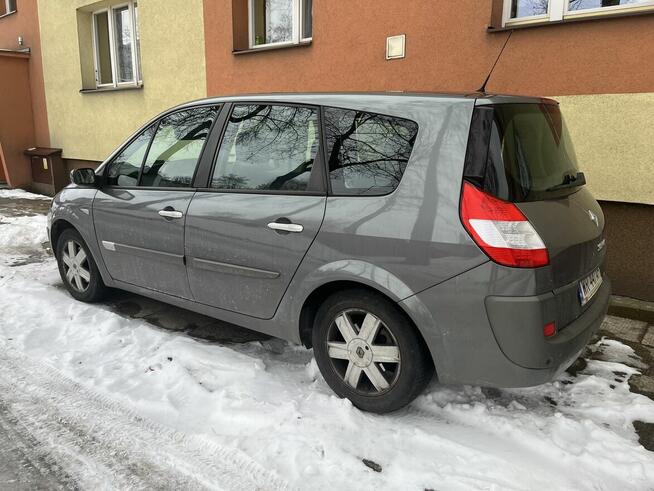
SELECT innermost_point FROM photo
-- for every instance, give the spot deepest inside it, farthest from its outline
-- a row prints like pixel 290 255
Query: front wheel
pixel 369 352
pixel 77 268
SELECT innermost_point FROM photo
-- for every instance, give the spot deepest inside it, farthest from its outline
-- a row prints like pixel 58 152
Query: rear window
pixel 520 152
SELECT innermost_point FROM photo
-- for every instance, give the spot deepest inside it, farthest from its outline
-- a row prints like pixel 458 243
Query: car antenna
pixel 482 89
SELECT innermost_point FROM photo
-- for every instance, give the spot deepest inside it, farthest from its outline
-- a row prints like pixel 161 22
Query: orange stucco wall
pixel 16 122
pixel 25 23
pixel 448 49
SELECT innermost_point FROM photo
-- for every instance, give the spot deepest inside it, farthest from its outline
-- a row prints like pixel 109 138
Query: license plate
pixel 589 286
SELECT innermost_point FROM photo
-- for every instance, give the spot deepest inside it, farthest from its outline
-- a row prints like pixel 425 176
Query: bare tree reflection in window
pixel 368 153
pixel 268 147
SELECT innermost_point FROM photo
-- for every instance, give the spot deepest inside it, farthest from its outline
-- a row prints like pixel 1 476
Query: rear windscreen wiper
pixel 570 181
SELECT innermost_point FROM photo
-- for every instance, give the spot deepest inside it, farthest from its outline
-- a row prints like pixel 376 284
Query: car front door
pixel 140 210
pixel 247 232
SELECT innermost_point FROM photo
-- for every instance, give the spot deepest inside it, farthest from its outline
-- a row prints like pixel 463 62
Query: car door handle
pixel 170 213
pixel 286 227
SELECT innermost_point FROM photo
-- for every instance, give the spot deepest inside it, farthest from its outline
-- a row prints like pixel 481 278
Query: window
pixel 279 22
pixel 523 152
pixel 7 7
pixel 367 153
pixel 124 170
pixel 539 11
pixel 268 148
pixel 171 157
pixel 116 46
pixel 176 148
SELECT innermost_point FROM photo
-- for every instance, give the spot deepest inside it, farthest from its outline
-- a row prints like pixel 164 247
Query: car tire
pixel 369 352
pixel 79 274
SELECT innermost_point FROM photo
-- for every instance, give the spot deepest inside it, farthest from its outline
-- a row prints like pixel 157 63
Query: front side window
pixel 125 168
pixel 116 42
pixel 7 7
pixel 176 148
pixel 537 11
pixel 279 21
pixel 367 153
pixel 268 147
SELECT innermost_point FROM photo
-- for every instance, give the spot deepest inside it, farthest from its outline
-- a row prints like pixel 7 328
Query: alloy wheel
pixel 364 352
pixel 76 266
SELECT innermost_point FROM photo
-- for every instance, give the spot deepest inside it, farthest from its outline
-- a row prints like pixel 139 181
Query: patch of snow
pixel 21 194
pixel 22 232
pixel 269 401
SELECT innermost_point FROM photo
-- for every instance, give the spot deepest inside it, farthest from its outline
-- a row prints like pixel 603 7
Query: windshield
pixel 528 154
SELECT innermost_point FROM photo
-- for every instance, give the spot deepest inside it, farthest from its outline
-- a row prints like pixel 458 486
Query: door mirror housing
pixel 83 177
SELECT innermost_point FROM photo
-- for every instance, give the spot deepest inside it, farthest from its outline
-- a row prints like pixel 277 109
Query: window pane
pixel 273 21
pixel 123 40
pixel 367 152
pixel 7 6
pixel 103 51
pixel 595 4
pixel 176 148
pixel 267 148
pixel 124 170
pixel 138 39
pixel 527 8
pixel 307 23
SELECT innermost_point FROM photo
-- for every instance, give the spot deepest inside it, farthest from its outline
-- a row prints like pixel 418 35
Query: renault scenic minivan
pixel 399 235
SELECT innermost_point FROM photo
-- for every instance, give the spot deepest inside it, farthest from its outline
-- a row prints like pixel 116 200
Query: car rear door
pixel 249 229
pixel 140 210
pixel 525 156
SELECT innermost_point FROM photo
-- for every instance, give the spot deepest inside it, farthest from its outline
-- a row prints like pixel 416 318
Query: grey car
pixel 399 235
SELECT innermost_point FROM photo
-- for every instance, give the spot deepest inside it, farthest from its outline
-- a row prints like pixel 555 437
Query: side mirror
pixel 83 177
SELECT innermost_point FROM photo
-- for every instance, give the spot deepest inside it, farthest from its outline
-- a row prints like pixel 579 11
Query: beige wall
pixel 613 136
pixel 89 126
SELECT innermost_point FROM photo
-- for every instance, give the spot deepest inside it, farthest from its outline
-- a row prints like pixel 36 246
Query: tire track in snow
pixel 99 444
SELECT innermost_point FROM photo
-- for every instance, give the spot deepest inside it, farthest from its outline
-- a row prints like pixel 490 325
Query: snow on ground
pixel 267 401
pixel 20 194
pixel 17 233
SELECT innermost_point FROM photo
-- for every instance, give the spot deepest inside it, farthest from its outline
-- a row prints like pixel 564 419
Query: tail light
pixel 501 230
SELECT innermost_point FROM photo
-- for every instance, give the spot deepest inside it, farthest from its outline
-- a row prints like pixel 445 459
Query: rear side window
pixel 367 153
pixel 268 148
pixel 176 148
pixel 520 152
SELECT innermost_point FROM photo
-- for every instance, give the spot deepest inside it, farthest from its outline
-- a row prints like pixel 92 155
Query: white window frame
pixel 7 6
pixel 136 56
pixel 558 10
pixel 296 36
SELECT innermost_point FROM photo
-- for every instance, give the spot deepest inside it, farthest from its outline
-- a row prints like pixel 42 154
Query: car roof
pixel 345 98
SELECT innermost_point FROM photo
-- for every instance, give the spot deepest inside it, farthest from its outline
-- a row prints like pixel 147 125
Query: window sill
pixel 571 19
pixel 111 89
pixel 7 14
pixel 273 47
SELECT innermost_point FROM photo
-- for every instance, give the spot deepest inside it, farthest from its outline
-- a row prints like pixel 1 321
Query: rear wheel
pixel 77 268
pixel 369 352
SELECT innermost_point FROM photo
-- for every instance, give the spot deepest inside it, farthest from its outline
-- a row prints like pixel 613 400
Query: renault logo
pixel 593 218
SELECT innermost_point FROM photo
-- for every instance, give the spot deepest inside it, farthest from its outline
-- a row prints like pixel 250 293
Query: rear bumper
pixel 479 337
pixel 517 323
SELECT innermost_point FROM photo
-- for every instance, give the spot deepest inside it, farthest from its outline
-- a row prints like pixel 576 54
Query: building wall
pixel 16 121
pixel 601 70
pixel 25 23
pixel 88 126
pixel 449 48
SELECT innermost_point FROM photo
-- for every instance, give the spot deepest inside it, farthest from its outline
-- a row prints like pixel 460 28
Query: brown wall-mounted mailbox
pixel 48 171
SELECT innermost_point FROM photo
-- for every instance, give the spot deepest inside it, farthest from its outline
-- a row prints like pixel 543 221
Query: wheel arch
pixel 61 224
pixel 57 228
pixel 316 298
